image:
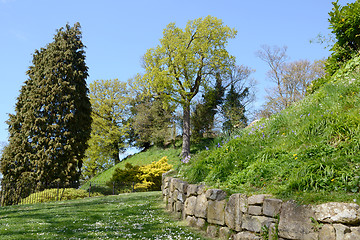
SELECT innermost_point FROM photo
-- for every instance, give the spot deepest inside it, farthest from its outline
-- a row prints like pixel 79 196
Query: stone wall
pixel 259 216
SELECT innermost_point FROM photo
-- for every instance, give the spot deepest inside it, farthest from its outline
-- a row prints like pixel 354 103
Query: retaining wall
pixel 259 216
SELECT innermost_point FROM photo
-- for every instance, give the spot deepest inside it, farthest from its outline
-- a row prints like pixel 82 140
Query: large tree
pixel 291 79
pixel 51 124
pixel 185 60
pixel 110 101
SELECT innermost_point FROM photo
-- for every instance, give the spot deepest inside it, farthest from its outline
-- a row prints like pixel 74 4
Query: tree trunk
pixel 116 153
pixel 186 131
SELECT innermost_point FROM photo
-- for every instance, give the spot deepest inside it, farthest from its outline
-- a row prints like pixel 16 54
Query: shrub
pixel 55 194
pixel 147 178
pixel 151 174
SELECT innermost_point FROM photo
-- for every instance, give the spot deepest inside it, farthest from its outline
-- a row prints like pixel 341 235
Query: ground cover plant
pixel 308 152
pixel 126 216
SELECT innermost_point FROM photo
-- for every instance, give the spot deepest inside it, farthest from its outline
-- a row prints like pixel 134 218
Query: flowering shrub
pixel 147 178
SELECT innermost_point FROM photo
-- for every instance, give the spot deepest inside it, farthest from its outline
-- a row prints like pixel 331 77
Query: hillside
pixel 308 152
pixel 150 155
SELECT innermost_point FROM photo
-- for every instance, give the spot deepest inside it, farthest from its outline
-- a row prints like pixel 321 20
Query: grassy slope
pixel 151 155
pixel 143 158
pixel 308 152
pixel 135 216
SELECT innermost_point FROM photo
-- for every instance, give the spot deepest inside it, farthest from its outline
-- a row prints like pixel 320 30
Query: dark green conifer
pixel 52 121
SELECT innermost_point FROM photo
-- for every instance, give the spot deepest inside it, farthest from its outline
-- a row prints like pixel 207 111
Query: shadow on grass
pixel 136 215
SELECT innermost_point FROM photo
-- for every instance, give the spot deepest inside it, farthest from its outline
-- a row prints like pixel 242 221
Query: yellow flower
pixel 295 158
pixel 343 20
pixel 294 154
pixel 332 180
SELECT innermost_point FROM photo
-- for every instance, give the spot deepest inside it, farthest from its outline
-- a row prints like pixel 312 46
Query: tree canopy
pixel 110 101
pixel 51 124
pixel 185 60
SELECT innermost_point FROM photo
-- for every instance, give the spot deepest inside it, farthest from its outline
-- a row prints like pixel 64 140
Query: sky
pixel 117 33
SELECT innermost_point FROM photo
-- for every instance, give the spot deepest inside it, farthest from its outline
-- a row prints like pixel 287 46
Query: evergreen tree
pixel 234 110
pixel 52 121
pixel 203 117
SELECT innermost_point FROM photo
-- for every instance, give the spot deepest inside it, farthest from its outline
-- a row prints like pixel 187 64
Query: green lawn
pixel 126 216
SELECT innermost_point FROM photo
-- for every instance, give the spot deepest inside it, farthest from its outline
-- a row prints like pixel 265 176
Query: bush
pixel 147 178
pixel 151 175
pixel 55 194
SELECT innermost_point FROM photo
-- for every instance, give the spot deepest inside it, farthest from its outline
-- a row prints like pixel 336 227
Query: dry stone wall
pixel 242 217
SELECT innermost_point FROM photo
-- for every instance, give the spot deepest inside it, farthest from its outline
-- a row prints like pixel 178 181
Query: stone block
pixel 243 203
pixel 170 205
pixel 179 206
pixel 189 206
pixel 271 207
pixel 334 212
pixel 192 190
pixel 246 236
pixel 181 197
pixel 255 223
pixel 212 231
pixel 257 199
pixel 255 210
pixel 233 213
pixel 341 230
pixel 172 184
pixel 200 223
pixel 295 221
pixel 201 189
pixel 215 194
pixel 201 206
pixel 191 221
pixel 327 232
pixel 224 233
pixel 175 194
pixel 181 186
pixel 354 234
pixel 216 212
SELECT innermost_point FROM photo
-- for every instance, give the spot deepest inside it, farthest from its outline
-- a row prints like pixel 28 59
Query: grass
pixel 308 152
pixel 126 216
pixel 152 154
pixel 143 158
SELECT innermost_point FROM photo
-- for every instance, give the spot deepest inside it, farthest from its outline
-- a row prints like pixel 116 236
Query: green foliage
pixel 153 121
pixel 146 177
pixel 129 174
pixel 203 117
pixel 311 147
pixel 234 109
pixel 110 101
pixel 51 124
pixel 151 175
pixel 345 25
pixel 185 60
pixel 54 194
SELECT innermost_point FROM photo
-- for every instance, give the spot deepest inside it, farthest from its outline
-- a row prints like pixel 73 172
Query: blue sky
pixel 117 33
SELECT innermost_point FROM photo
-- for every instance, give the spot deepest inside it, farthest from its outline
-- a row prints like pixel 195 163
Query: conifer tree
pixel 52 120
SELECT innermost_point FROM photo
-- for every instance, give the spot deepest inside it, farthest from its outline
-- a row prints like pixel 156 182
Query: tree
pixel 110 101
pixel 291 79
pixel 153 121
pixel 51 124
pixel 234 110
pixel 203 117
pixel 185 60
pixel 345 25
